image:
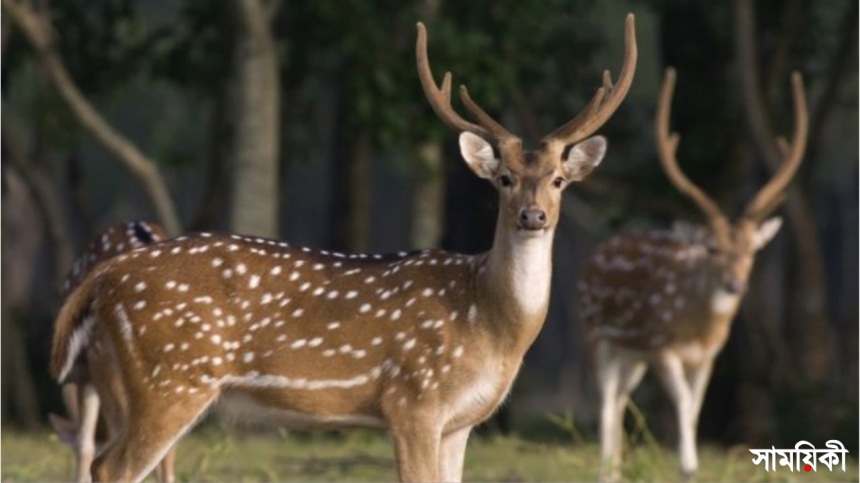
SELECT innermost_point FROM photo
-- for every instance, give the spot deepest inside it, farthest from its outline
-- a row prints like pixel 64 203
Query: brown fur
pixel 649 290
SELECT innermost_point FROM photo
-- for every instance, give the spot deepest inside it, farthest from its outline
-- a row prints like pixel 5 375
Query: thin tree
pixel 257 117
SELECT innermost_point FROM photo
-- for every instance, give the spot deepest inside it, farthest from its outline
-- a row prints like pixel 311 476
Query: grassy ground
pixel 215 455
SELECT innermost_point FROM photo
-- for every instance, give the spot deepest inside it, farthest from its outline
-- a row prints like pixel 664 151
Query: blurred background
pixel 305 120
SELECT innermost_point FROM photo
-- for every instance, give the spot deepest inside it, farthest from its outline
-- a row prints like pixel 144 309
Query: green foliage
pixel 195 51
pixel 102 42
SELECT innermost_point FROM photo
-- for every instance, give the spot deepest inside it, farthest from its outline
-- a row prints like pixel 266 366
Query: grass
pixel 212 454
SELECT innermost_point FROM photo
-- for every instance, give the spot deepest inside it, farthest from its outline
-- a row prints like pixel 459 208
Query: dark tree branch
pixel 42 40
pixel 810 281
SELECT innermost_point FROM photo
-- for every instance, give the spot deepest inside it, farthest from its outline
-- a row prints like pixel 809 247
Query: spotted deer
pixel 425 344
pixel 667 298
pixel 81 400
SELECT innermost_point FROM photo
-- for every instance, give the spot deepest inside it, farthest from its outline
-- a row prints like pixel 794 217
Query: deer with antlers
pixel 667 298
pixel 425 344
pixel 80 397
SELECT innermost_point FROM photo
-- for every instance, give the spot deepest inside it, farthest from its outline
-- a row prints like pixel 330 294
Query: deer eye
pixel 506 181
pixel 558 182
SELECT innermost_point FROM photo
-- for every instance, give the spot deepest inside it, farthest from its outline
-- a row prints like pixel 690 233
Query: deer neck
pixel 516 284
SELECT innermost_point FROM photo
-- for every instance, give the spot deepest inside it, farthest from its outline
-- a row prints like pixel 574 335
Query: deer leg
pixel 698 378
pixel 452 452
pixel 608 377
pixel 70 398
pixel 154 425
pixel 165 470
pixel 416 444
pixel 85 440
pixel 630 376
pixel 671 371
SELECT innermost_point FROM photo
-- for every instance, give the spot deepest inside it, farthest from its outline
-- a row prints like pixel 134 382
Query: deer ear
pixel 766 231
pixel 479 155
pixel 582 158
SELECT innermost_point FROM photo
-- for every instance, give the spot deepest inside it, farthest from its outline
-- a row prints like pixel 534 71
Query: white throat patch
pixel 531 271
pixel 724 303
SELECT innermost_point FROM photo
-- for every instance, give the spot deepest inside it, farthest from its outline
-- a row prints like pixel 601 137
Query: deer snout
pixel 735 286
pixel 532 219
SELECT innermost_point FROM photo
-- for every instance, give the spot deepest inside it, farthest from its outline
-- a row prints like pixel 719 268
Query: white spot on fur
pixel 254 282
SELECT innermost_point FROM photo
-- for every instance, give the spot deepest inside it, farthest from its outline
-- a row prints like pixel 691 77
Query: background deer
pixel 79 395
pixel 426 344
pixel 667 298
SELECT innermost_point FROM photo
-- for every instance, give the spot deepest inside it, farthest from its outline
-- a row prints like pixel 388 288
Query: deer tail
pixel 73 327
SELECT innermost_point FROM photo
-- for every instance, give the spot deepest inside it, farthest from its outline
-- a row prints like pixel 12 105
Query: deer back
pixel 654 289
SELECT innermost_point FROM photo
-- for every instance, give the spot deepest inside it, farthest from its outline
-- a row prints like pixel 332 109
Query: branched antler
pixel 667 147
pixel 440 99
pixel 607 98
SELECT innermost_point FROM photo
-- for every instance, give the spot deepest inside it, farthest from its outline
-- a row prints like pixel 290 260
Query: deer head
pixel 530 183
pixel 734 244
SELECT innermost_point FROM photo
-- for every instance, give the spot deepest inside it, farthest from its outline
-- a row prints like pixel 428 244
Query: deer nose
pixel 532 219
pixel 735 286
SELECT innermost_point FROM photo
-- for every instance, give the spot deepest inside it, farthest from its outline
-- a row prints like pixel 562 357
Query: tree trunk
pixel 256 111
pixel 840 64
pixel 351 179
pixel 358 225
pixel 428 197
pixel 811 341
pixel 212 200
pixel 44 193
pixel 428 201
pixel 17 375
pixel 20 250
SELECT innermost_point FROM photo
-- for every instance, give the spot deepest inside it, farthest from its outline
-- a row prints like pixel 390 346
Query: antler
pixel 440 99
pixel 607 98
pixel 767 199
pixel 667 146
